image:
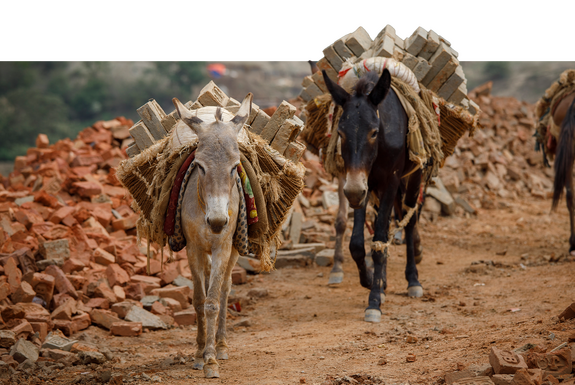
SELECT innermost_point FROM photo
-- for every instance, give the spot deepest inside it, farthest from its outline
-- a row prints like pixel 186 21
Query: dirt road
pixel 306 332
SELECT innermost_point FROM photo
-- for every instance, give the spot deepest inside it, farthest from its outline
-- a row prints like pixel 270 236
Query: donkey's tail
pixel 565 156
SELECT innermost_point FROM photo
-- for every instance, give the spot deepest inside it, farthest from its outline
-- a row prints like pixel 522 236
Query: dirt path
pixel 307 332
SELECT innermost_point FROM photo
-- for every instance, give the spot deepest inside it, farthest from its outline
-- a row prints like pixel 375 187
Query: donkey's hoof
pixel 198 364
pixel 222 353
pixel 335 278
pixel 211 371
pixel 415 291
pixel 373 315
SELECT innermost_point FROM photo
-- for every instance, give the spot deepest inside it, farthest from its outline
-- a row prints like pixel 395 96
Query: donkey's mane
pixel 366 84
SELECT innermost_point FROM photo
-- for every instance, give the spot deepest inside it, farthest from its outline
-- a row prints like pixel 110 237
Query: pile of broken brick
pixel 69 256
pixel 498 163
pixel 527 365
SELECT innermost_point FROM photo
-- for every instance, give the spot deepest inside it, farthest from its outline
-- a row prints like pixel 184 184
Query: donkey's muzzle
pixel 355 189
pixel 217 224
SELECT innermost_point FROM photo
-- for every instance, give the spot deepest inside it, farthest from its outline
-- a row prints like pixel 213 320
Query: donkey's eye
pixel 201 169
pixel 374 134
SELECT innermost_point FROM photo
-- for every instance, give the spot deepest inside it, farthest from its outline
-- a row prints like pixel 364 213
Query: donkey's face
pixel 358 129
pixel 217 157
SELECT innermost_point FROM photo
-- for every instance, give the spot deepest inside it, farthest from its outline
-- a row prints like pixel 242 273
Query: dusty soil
pixel 307 332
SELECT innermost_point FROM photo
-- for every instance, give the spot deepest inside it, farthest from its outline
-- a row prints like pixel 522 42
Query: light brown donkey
pixel 209 215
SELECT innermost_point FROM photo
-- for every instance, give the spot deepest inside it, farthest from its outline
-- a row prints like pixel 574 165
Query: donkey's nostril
pixel 227 221
pixel 208 220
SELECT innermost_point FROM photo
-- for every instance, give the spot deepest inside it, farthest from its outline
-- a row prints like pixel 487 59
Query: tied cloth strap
pixel 379 245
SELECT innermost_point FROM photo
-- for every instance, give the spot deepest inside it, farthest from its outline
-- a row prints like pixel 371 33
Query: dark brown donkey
pixel 564 117
pixel 373 130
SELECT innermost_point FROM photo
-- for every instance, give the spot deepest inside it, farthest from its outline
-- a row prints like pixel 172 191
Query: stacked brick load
pixel 430 56
pixel 279 130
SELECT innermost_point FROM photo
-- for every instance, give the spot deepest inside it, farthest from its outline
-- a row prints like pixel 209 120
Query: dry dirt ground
pixel 307 332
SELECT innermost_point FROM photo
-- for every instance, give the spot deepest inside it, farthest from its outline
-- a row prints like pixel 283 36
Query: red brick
pixel 185 317
pixel 104 318
pixel 81 321
pixel 61 213
pixel 172 304
pixel 87 189
pixel 13 273
pixel 103 291
pixel 34 312
pixel 77 281
pixel 116 275
pixel 553 364
pixel 82 347
pixel 65 326
pixel 135 291
pixel 40 328
pixel 239 275
pixel 42 141
pixel 119 292
pixel 24 293
pixel 103 216
pixel 61 299
pixel 102 257
pixel 4 290
pixel 69 221
pixel 568 313
pixel 43 285
pixel 122 308
pixel 62 284
pixel 100 303
pixel 23 329
pixel 158 308
pixel 150 281
pixel 180 294
pixel 72 264
pixel 505 361
pixel 46 199
pixel 86 160
pixel 125 223
pixel 126 329
pixel 169 274
pixel 64 311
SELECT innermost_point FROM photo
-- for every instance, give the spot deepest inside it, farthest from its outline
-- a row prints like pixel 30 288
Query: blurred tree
pixel 496 70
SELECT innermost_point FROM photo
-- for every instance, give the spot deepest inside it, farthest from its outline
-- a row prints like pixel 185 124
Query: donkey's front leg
pixel 199 265
pixel 221 343
pixel 357 247
pixel 381 232
pixel 336 274
pixel 220 259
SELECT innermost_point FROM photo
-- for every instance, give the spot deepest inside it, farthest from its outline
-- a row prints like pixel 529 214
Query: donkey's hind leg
pixel 336 274
pixel 414 288
pixel 221 343
pixel 571 207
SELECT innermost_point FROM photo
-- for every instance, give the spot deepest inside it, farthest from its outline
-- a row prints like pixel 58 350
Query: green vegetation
pixel 61 98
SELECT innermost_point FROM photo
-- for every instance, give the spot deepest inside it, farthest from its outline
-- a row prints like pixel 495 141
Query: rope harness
pixel 379 245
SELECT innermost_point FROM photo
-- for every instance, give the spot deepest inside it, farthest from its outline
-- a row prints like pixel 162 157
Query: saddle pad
pixel 177 241
pixel 169 223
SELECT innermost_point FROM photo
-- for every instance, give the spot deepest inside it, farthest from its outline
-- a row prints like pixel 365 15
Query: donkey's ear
pixel 338 94
pixel 243 113
pixel 187 117
pixel 381 89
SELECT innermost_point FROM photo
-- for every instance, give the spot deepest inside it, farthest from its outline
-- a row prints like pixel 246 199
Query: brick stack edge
pixel 430 56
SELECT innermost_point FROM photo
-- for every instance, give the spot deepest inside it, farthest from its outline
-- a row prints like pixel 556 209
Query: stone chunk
pixel 239 275
pixel 452 377
pixel 55 340
pixel 294 151
pixel 87 189
pixel 325 257
pixel 482 380
pixel 180 294
pixel 7 338
pixel 453 83
pixel 421 69
pixel 92 358
pixel 116 275
pixel 386 48
pixel 147 319
pixel 287 133
pixel 323 64
pixel 341 49
pixel 431 45
pixel 437 61
pixel 502 379
pixel 443 75
pixel 24 350
pixel 259 122
pixel 333 58
pixel 13 273
pixel 122 308
pixel 410 61
pixel 505 361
